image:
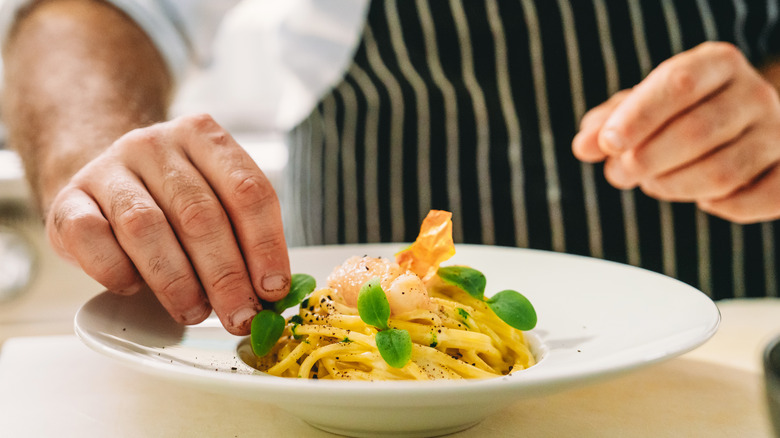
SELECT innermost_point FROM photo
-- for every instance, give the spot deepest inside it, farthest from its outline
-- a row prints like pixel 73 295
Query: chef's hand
pixel 178 207
pixel 703 127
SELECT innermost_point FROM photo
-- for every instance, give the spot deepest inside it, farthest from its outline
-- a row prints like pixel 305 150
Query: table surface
pixel 54 385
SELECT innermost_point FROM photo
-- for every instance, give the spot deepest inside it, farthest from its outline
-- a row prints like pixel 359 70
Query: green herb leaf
pixel 372 304
pixel 514 309
pixel 468 279
pixel 395 347
pixel 463 315
pixel 296 320
pixel 301 285
pixel 267 328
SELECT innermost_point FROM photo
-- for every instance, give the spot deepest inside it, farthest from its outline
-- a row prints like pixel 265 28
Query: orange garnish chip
pixel 433 246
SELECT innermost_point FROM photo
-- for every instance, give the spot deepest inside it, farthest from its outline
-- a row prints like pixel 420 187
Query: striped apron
pixel 471 106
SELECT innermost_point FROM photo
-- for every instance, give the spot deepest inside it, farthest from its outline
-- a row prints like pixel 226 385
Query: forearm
pixel 78 75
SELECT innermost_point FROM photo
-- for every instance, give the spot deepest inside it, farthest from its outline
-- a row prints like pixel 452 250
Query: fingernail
pixel 611 142
pixel 274 283
pixel 130 290
pixel 196 314
pixel 241 319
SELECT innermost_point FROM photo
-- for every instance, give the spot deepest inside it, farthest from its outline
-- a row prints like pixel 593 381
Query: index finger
pixel 584 145
pixel 674 86
pixel 250 202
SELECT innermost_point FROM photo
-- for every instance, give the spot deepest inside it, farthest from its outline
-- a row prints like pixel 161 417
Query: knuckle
pixel 174 283
pixel 140 220
pixel 149 138
pixel 218 138
pixel 269 245
pixel 206 127
pixel 73 222
pixel 251 189
pixel 229 278
pixel 679 81
pixel 726 51
pixel 114 273
pixel 200 122
pixel 199 216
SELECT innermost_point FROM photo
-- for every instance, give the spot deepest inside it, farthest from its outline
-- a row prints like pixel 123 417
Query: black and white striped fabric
pixel 471 106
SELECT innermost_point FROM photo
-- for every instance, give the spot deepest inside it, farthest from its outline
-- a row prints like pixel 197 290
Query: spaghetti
pixel 454 335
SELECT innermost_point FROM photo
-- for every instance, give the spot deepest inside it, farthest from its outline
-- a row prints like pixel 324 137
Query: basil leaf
pixel 301 285
pixel 514 309
pixel 395 347
pixel 267 328
pixel 372 304
pixel 468 279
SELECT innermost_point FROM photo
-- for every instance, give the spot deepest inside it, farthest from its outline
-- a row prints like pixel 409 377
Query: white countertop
pixel 54 385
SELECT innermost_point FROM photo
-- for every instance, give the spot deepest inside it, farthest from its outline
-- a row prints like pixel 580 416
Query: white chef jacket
pixel 252 64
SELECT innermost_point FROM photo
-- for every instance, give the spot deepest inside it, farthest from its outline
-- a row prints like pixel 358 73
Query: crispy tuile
pixel 433 246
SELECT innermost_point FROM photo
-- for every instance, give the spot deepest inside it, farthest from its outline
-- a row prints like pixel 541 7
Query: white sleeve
pixel 182 30
pixel 274 60
pixel 265 63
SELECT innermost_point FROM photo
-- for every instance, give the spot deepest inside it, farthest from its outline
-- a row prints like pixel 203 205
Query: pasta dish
pixel 360 325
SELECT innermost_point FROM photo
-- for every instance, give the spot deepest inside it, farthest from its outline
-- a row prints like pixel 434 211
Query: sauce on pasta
pixel 454 335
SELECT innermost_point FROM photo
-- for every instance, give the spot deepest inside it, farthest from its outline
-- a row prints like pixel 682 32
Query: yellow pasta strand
pixel 461 338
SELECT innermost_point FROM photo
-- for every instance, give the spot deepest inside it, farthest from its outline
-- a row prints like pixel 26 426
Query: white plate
pixel 597 319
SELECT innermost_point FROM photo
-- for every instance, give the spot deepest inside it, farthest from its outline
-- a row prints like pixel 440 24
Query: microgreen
pixel 268 325
pixel 394 345
pixel 511 306
pixel 468 279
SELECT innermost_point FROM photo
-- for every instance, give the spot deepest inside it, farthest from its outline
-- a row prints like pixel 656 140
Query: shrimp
pixel 405 291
